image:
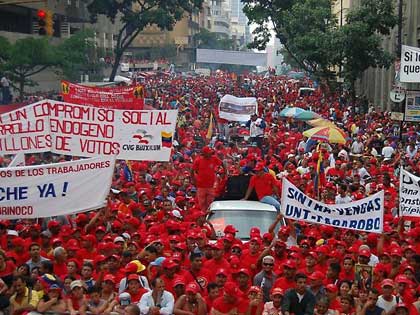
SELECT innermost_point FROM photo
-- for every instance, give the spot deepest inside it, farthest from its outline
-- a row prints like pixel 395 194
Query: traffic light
pixel 49 23
pixel 45 22
pixel 41 22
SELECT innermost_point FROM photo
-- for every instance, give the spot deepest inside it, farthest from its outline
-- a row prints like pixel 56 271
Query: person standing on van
pixel 265 186
pixel 256 127
pixel 205 168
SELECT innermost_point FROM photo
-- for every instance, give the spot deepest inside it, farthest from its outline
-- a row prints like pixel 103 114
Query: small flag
pixel 319 172
pixel 127 171
pixel 166 139
pixel 210 128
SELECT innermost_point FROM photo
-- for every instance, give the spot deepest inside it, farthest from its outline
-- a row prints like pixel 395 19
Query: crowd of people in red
pixel 152 250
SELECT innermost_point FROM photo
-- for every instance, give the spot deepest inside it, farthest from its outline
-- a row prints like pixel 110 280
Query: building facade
pixel 376 83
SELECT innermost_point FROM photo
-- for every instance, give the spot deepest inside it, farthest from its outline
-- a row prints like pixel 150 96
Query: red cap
pixel 277 291
pixel 331 288
pixel 290 264
pixel 255 289
pixel 178 281
pixel 387 282
pixel 313 255
pixel 317 275
pixel 191 288
pixel 244 271
pixel 230 229
pixel 169 263
pixel 396 251
pixel 130 268
pixel 229 237
pixel 231 289
pixel 109 278
pixel 364 252
pixel 222 271
pixel 133 277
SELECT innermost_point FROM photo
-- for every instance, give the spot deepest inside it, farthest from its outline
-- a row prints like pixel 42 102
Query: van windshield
pixel 242 220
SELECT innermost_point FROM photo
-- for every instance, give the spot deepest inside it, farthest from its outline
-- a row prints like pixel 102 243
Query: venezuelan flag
pixel 166 139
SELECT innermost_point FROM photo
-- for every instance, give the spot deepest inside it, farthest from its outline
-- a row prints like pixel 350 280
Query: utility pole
pixel 398 51
pixel 400 27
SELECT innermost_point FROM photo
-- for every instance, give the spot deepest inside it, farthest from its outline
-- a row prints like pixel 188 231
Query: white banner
pixel 410 64
pixel 55 189
pixel 79 130
pixel 409 195
pixel 234 108
pixel 362 215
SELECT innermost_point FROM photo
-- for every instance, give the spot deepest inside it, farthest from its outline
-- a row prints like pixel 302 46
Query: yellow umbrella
pixel 320 122
pixel 329 134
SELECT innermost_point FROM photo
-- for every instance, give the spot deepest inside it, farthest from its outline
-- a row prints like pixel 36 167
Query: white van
pixel 243 215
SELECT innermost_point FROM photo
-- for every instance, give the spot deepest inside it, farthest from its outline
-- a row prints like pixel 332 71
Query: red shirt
pixel 284 284
pixel 220 305
pixel 203 277
pixel 206 171
pixel 135 298
pixel 263 184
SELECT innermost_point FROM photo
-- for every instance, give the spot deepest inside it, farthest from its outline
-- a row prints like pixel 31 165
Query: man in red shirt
pixel 265 186
pixel 230 302
pixel 205 167
pixel 287 280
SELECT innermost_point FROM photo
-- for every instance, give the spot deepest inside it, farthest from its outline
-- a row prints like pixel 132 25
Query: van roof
pixel 244 205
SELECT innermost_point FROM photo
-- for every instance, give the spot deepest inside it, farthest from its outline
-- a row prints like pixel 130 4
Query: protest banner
pixel 125 97
pixel 234 108
pixel 55 189
pixel 410 64
pixel 412 106
pixel 409 195
pixel 88 131
pixel 363 215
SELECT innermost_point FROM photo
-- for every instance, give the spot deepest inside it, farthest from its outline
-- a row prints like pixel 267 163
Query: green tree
pixel 77 55
pixel 210 40
pixel 135 15
pixel 25 58
pixel 359 41
pixel 306 28
pixel 310 34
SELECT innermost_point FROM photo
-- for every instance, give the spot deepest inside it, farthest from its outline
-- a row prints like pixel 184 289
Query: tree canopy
pixel 29 56
pixel 313 39
pixel 136 15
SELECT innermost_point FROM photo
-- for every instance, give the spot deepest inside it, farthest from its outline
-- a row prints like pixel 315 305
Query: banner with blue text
pixel 409 195
pixel 55 189
pixel 363 215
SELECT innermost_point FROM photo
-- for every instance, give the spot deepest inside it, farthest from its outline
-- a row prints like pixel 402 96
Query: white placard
pixel 88 131
pixel 410 64
pixel 55 189
pixel 363 215
pixel 234 108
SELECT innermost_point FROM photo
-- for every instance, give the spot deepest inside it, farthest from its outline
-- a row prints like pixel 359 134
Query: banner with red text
pixel 88 131
pixel 119 97
pixel 55 189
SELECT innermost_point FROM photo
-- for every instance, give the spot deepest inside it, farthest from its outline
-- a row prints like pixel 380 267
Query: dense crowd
pixel 153 251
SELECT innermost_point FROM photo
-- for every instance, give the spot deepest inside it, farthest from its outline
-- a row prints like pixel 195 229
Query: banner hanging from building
pixel 88 131
pixel 234 108
pixel 363 215
pixel 412 106
pixel 410 64
pixel 409 195
pixel 119 97
pixel 55 189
